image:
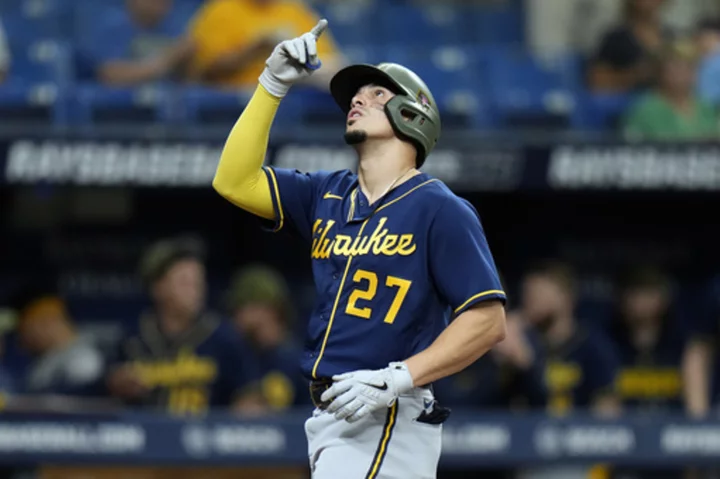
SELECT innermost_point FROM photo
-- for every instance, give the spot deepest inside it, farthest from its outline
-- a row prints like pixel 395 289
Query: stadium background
pixel 92 174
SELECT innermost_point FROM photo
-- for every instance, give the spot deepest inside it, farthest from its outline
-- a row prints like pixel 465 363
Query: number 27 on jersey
pixel 368 292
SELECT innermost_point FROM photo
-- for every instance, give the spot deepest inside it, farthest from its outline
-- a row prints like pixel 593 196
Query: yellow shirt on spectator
pixel 224 26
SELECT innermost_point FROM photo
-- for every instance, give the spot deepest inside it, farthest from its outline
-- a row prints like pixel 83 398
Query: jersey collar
pixel 358 207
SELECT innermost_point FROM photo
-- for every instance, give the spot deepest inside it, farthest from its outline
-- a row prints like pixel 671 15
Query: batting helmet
pixel 412 112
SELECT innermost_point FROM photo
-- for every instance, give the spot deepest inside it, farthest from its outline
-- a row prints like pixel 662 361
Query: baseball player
pixel 395 256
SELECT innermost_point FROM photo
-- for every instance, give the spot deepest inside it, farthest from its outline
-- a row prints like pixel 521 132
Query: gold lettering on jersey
pixel 186 368
pixel 649 383
pixel 380 242
pixel 561 379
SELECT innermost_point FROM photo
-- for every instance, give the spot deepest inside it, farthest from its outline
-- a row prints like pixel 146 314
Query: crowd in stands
pixel 183 356
pixel 620 63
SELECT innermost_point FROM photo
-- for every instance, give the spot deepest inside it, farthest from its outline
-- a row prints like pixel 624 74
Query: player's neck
pixel 382 169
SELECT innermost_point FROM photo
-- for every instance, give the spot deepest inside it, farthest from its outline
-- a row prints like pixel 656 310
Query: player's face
pixel 542 299
pixel 642 306
pixel 183 287
pixel 367 113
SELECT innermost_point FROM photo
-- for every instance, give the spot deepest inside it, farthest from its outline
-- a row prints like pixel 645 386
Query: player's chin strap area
pixel 433 413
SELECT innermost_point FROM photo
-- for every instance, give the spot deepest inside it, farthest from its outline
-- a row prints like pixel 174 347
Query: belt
pixel 317 387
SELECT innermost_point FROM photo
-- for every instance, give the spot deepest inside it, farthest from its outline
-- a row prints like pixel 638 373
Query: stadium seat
pixel 28 103
pixel 352 22
pixel 41 61
pixel 26 20
pixel 37 81
pixel 423 26
pixel 497 25
pixel 99 104
pixel 208 106
pixel 530 91
pixel 596 111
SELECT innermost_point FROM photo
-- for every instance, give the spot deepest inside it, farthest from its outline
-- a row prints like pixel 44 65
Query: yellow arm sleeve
pixel 240 177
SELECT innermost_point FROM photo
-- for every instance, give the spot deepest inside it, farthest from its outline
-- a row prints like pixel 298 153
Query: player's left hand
pixel 358 393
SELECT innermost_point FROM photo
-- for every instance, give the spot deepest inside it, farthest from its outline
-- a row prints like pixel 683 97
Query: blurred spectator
pixel 140 44
pixel 673 111
pixel 581 362
pixel 700 373
pixel 261 312
pixel 582 366
pixel 512 375
pixel 4 54
pixel 181 357
pixel 235 37
pixel 563 26
pixel 708 39
pixel 649 342
pixel 62 361
pixel 7 381
pixel 624 61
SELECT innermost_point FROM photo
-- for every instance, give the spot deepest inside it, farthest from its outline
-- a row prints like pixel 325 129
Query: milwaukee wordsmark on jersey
pixel 389 276
pixel 379 242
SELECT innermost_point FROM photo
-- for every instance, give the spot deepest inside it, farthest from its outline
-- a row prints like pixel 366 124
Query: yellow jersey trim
pixel 276 193
pixel 405 194
pixel 330 196
pixel 479 295
pixel 384 441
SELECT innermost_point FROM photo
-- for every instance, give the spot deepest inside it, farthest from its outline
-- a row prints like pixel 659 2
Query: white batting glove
pixel 356 394
pixel 291 61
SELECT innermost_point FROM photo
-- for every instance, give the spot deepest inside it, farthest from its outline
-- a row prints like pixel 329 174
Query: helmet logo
pixel 423 99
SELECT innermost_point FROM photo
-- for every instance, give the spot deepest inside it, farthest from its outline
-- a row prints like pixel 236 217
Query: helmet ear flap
pixel 407 120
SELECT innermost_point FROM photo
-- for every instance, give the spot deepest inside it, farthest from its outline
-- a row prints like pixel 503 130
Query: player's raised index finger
pixel 319 28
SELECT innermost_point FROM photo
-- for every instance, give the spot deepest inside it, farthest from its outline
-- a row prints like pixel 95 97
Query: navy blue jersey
pixel 209 366
pixel 282 381
pixel 580 370
pixel 650 378
pixel 389 276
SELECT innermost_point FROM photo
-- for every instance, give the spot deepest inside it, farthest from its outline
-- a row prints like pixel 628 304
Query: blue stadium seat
pixel 529 90
pixel 33 103
pixel 352 22
pixel 36 85
pixel 497 25
pixel 208 106
pixel 99 104
pixel 601 111
pixel 41 61
pixel 27 20
pixel 423 26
